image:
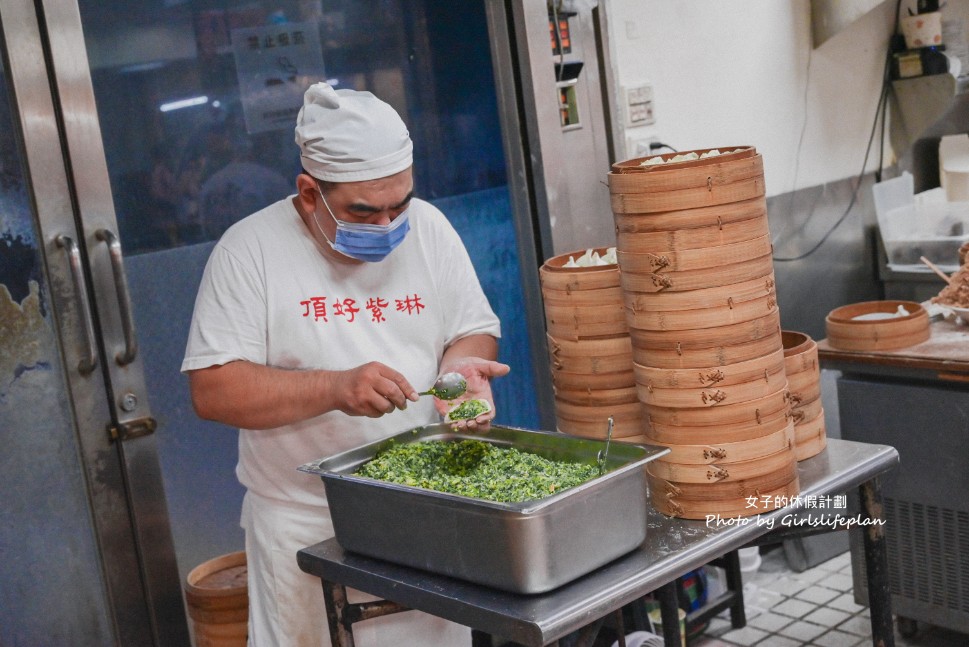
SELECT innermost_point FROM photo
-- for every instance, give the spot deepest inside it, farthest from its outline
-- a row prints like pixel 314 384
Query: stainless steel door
pixel 129 590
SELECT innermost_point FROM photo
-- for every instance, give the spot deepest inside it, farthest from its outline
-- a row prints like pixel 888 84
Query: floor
pixel 815 607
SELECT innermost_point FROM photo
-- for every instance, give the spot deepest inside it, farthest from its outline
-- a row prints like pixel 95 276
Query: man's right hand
pixel 371 390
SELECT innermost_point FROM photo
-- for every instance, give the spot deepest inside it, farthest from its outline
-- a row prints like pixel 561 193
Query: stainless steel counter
pixel 672 548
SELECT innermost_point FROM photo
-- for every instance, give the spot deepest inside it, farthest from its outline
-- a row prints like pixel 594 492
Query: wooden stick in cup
pixel 932 266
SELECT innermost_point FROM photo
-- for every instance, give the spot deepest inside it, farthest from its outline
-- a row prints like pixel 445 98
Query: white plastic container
pixel 954 167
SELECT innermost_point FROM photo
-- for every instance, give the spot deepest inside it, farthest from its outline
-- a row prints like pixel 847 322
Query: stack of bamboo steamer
pixel 697 279
pixel 590 353
pixel 804 383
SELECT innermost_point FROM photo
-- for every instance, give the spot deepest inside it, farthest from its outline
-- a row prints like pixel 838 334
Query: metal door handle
pixel 87 364
pixel 124 301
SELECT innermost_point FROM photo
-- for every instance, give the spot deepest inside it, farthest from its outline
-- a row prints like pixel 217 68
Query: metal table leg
pixel 876 565
pixel 669 613
pixel 341 614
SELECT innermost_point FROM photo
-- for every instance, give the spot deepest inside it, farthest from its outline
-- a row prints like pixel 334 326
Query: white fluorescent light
pixel 183 103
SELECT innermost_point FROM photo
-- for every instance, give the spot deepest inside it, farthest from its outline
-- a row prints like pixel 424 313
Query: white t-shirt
pixel 269 296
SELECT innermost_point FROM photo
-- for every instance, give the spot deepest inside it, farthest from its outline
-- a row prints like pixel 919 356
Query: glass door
pixel 172 119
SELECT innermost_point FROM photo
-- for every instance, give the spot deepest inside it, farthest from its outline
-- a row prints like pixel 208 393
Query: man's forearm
pixel 483 346
pixel 252 396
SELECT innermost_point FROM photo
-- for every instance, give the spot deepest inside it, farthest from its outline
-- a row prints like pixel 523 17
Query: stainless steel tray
pixel 528 547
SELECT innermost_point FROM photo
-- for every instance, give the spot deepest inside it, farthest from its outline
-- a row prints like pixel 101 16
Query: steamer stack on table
pixel 697 281
pixel 590 354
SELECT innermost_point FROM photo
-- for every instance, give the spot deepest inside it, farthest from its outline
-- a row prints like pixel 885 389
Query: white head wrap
pixel 350 136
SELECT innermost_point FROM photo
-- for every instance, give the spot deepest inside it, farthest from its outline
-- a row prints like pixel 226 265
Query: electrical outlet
pixel 640 145
pixel 638 105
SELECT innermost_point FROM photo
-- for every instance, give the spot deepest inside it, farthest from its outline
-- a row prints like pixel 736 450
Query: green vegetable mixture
pixel 469 409
pixel 477 469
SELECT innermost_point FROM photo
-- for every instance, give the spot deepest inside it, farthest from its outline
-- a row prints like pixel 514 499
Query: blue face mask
pixel 370 243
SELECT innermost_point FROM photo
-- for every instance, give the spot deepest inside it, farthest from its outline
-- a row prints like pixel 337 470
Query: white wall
pixel 743 72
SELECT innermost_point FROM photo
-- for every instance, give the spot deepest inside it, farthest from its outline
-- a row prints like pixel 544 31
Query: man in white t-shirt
pixel 317 321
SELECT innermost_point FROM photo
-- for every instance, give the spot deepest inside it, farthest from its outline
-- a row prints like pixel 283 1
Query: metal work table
pixel 672 548
pixel 915 399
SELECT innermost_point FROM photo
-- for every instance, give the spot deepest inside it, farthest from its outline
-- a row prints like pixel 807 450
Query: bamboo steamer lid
pixel 728 313
pixel 743 413
pixel 631 237
pixel 714 396
pixel 689 358
pixel 701 258
pixel 768 326
pixel 591 356
pixel 710 277
pixel 748 212
pixel 578 322
pixel 847 333
pixel 566 380
pixel 731 432
pixel 597 397
pixel 721 471
pixel 730 452
pixel 691 378
pixel 756 502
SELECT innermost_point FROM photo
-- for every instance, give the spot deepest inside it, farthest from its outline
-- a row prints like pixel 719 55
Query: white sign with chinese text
pixel 275 64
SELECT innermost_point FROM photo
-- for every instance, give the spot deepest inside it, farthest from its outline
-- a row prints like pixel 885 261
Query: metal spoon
pixel 448 387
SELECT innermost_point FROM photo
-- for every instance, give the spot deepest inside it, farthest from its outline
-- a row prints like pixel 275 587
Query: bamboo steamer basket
pixel 801 366
pixel 755 502
pixel 717 297
pixel 732 452
pixel 592 422
pixel 690 221
pixel 810 439
pixel 692 198
pixel 767 326
pixel 802 411
pixel 554 276
pixel 722 471
pixel 631 237
pixel 688 358
pixel 688 173
pixel 579 322
pixel 591 356
pixel 701 258
pixel 595 381
pixel 804 387
pixel 847 333
pixel 597 412
pixel 710 277
pixel 598 397
pixel 714 396
pixel 728 313
pixel 742 413
pixel 636 234
pixel 217 597
pixel 727 492
pixel 691 378
pixel 582 297
pixel 732 432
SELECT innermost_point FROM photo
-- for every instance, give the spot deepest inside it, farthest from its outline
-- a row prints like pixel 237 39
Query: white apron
pixel 286 605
